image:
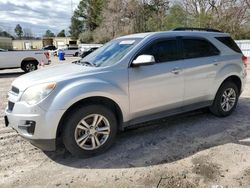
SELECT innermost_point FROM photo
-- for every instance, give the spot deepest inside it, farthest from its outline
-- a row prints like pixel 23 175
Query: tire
pixel 81 116
pixel 29 66
pixel 220 107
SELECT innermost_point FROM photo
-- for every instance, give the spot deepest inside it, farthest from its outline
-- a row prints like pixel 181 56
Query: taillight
pixel 46 54
pixel 244 59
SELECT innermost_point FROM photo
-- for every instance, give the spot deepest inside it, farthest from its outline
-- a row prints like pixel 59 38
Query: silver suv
pixel 131 79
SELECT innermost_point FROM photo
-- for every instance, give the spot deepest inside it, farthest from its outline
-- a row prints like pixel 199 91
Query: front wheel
pixel 89 130
pixel 226 100
pixel 29 66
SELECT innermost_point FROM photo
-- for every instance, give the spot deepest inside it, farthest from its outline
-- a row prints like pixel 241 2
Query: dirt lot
pixel 189 150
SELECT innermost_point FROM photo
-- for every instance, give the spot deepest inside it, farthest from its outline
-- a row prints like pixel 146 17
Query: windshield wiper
pixel 84 63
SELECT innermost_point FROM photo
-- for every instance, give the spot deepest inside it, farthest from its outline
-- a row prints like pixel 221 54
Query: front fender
pixel 66 96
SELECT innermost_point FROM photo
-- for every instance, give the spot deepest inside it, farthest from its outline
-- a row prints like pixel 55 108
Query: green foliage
pixel 19 31
pixel 87 17
pixel 5 34
pixel 49 33
pixel 61 33
pixel 102 20
pixel 76 27
pixel 176 17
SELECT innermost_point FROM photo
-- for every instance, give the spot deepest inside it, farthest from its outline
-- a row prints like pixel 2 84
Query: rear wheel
pixel 226 100
pixel 89 130
pixel 29 66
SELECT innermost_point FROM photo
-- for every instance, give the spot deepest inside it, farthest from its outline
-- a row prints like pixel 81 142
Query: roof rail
pixel 196 29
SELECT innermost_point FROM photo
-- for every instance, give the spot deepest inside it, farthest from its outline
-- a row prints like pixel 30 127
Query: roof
pixel 174 33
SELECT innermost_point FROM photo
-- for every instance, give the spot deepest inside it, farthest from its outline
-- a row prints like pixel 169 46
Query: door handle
pixel 176 70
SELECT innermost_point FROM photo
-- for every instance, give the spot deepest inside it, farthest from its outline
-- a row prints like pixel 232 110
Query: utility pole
pixel 71 8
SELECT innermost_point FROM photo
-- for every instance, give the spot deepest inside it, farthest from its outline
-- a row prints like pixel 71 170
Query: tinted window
pixel 163 51
pixel 229 42
pixel 194 48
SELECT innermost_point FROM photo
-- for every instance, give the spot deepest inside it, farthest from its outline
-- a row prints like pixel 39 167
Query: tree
pixel 87 17
pixel 49 33
pixel 227 15
pixel 5 34
pixel 86 37
pixel 19 31
pixel 61 33
pixel 176 17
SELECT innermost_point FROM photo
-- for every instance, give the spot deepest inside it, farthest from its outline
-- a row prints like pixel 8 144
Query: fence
pixel 244 46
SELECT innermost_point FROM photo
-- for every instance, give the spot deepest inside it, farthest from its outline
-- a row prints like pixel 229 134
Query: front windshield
pixel 110 53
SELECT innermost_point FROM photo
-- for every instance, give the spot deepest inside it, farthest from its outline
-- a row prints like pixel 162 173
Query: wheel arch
pixel 29 59
pixel 92 100
pixel 235 79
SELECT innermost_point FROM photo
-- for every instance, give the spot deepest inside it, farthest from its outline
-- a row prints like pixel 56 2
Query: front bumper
pixel 34 124
pixel 44 144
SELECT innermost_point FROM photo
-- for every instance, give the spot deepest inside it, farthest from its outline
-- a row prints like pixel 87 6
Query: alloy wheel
pixel 30 67
pixel 92 132
pixel 228 99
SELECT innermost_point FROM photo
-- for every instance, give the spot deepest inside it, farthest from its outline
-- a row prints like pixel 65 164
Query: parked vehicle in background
pixel 69 51
pixel 84 54
pixel 3 50
pixel 86 47
pixel 131 79
pixel 26 60
pixel 49 47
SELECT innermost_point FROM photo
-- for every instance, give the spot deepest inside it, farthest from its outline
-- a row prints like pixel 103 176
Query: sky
pixel 36 15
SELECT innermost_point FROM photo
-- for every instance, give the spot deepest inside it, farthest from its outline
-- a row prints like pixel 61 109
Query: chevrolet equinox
pixel 131 79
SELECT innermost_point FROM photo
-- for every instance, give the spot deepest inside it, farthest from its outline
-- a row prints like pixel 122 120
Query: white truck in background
pixel 26 60
pixel 68 50
pixel 86 47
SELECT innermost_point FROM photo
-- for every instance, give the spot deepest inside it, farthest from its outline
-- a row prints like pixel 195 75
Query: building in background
pixel 6 43
pixel 30 44
pixel 61 42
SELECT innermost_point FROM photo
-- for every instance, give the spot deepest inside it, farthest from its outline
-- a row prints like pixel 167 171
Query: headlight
pixel 36 94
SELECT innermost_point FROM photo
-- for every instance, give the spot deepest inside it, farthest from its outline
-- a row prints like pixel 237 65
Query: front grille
pixel 15 90
pixel 10 105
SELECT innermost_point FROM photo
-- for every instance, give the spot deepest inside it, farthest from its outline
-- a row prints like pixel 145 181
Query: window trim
pixel 196 38
pixel 155 41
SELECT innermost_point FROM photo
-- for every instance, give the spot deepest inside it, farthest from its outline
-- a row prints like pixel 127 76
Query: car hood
pixel 52 74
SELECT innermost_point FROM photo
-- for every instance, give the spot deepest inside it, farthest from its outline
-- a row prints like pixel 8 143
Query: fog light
pixel 28 126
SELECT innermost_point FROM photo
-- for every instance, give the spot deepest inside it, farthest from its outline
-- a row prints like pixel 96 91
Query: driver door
pixel 159 87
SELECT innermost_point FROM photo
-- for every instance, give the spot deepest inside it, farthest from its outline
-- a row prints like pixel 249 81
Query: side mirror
pixel 144 60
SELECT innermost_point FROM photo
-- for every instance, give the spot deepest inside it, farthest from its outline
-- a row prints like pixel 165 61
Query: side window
pixel 166 50
pixel 229 42
pixel 195 48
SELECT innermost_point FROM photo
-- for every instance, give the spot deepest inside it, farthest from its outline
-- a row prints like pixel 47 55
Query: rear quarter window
pixel 229 42
pixel 195 48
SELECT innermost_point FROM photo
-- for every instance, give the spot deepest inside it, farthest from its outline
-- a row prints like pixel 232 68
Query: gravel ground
pixel 194 149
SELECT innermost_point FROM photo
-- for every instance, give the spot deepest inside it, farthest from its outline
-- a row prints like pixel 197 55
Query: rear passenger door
pixel 200 58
